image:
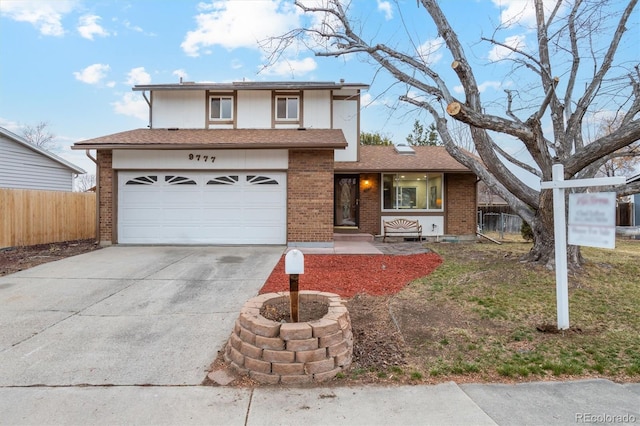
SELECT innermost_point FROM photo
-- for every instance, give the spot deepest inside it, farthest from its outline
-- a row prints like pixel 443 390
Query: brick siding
pixel 105 203
pixel 310 196
pixel 461 204
pixel 370 204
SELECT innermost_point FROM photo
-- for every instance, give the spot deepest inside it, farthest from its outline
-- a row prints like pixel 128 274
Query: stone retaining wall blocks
pixel 291 353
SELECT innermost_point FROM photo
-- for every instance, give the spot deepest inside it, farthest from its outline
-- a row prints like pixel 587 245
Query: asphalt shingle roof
pixel 218 138
pixel 385 158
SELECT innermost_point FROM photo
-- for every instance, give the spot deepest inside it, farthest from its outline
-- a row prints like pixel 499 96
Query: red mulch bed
pixel 351 274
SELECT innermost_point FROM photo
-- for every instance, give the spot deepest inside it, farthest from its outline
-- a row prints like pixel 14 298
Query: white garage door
pixel 201 207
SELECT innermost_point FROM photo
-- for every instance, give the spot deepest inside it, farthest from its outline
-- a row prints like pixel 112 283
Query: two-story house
pixel 267 163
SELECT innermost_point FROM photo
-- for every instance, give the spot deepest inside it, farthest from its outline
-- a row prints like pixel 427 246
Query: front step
pixel 353 237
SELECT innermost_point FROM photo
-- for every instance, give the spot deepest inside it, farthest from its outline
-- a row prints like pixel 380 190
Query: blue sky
pixel 72 63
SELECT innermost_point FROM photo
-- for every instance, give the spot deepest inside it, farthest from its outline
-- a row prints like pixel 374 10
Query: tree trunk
pixel 543 250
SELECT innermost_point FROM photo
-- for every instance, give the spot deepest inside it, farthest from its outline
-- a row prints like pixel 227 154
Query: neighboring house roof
pixel 253 85
pixel 375 158
pixel 22 141
pixel 218 138
pixel 488 198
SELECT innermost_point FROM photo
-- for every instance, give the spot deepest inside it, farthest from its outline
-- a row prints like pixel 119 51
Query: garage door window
pixel 223 180
pixel 179 180
pixel 261 180
pixel 143 180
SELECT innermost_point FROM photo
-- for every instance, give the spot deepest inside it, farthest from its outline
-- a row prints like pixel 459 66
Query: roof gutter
pixel 144 95
pixel 300 146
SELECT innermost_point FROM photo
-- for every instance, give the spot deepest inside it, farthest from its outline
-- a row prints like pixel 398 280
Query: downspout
pixel 144 95
pixel 97 236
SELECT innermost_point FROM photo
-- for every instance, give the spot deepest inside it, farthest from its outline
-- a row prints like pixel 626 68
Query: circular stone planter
pixel 291 353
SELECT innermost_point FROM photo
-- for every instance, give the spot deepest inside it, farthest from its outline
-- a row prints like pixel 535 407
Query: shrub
pixel 526 231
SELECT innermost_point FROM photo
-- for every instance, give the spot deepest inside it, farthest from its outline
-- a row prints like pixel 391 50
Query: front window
pixel 221 108
pixel 412 191
pixel 287 107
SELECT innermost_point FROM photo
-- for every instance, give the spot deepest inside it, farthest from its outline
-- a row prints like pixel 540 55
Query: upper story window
pixel 412 191
pixel 221 108
pixel 287 108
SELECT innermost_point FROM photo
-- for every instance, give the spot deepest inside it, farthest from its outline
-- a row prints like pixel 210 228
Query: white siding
pixel 187 110
pixel 184 109
pixel 345 117
pixel 22 168
pixel 223 159
pixel 317 109
pixel 254 109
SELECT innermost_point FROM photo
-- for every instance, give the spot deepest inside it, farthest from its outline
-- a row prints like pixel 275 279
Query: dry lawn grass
pixel 484 316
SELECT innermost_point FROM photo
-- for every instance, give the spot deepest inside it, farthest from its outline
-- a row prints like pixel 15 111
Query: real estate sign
pixel 592 219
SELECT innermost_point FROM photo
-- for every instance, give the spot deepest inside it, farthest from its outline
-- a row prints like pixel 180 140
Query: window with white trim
pixel 287 108
pixel 412 191
pixel 220 108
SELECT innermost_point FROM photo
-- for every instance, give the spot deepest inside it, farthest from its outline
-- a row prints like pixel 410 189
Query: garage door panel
pixel 261 215
pixel 143 215
pixel 141 198
pixel 176 217
pixel 197 207
pixel 264 200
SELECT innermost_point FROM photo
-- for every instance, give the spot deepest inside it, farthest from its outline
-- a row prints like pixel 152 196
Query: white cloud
pixel 495 85
pixel 429 51
pixel 89 27
pixel 291 67
pixel 138 76
pixel 366 100
pixel 46 16
pixel 521 12
pixel 385 7
pixel 132 105
pixel 180 73
pixel 235 23
pixel 128 25
pixel 93 74
pixel 11 125
pixel 500 52
pixel 482 87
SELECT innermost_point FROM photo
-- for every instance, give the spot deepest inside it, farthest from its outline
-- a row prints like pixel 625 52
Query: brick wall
pixel 370 204
pixel 461 204
pixel 105 193
pixel 310 196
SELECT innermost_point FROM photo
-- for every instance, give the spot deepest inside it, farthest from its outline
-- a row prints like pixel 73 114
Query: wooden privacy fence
pixel 30 217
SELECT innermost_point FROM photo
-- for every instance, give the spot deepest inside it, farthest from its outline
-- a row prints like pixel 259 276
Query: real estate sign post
pixel 592 225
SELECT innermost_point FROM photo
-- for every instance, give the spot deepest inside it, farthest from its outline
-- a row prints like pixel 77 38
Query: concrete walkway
pixel 125 335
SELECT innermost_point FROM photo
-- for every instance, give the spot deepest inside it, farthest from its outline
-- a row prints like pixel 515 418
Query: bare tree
pixel 39 135
pixel 85 182
pixel 623 162
pixel 544 111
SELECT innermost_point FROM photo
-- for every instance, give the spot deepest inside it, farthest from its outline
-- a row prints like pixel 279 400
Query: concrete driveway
pixel 126 315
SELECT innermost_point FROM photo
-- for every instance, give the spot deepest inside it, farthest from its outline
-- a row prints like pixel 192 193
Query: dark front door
pixel 346 200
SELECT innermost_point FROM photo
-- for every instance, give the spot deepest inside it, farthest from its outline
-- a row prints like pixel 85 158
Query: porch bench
pixel 402 227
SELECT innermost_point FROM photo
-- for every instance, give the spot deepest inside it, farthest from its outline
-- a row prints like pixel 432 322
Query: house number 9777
pixel 203 158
